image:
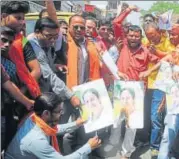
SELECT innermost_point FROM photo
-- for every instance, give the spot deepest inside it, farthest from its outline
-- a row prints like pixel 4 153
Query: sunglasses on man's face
pixel 77 27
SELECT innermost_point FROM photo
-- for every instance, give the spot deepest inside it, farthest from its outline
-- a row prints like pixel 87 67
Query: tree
pixel 161 7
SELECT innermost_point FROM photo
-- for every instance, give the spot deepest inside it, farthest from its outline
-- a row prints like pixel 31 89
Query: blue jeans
pixel 157 119
pixel 171 130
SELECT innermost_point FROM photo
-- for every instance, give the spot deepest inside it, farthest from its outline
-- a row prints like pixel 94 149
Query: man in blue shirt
pixel 36 137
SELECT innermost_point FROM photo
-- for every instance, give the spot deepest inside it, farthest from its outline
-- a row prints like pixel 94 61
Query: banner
pixel 165 20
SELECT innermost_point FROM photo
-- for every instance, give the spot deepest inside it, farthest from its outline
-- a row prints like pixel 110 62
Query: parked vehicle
pixel 31 19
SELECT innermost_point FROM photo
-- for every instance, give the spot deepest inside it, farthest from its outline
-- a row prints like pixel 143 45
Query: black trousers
pixel 75 140
pixel 69 110
pixel 13 112
pixel 143 135
pixel 10 124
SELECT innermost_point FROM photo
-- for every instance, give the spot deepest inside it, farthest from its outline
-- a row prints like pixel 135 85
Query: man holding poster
pixel 128 108
pixel 133 62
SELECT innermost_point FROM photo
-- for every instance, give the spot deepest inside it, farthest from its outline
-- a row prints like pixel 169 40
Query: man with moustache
pixel 83 66
pixel 133 62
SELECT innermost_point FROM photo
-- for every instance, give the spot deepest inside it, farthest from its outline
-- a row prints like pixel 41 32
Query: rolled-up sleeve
pixel 66 128
pixel 43 150
pixel 58 86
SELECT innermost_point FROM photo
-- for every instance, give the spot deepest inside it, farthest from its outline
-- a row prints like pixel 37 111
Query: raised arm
pixel 51 10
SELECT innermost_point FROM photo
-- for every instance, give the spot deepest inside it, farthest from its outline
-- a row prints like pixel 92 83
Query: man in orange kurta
pixel 83 62
pixel 83 66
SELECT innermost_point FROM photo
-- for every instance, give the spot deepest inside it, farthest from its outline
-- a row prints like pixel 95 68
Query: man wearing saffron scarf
pixel 36 137
pixel 10 105
pixel 82 55
pixel 83 66
pixel 21 52
pixel 12 89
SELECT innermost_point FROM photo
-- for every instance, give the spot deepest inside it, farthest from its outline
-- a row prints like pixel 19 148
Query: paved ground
pixel 142 153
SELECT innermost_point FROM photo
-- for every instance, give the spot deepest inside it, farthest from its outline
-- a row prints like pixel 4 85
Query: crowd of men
pixel 39 70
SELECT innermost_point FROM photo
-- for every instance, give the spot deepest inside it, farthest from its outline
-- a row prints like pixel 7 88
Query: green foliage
pixel 162 6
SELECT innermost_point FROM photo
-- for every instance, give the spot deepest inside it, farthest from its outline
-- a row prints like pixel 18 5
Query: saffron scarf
pixel 16 55
pixel 52 132
pixel 72 63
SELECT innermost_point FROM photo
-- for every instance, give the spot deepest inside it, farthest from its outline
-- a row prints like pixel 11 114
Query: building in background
pixel 35 7
pixel 111 8
pixel 93 11
pixel 66 6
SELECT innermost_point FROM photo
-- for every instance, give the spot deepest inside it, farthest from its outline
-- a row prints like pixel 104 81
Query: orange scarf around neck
pixel 47 130
pixel 72 54
pixel 17 56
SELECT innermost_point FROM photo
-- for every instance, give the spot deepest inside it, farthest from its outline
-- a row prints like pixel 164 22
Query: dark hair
pixel 93 91
pixel 7 31
pixel 11 7
pixel 149 15
pixel 73 16
pixel 124 4
pixel 42 12
pixel 131 91
pixel 47 101
pixel 135 28
pixel 44 22
pixel 92 19
pixel 104 23
pixel 151 25
pixel 126 24
pixel 62 21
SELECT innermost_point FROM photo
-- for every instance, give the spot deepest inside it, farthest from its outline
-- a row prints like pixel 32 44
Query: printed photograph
pixel 172 99
pixel 128 102
pixel 96 105
pixel 164 78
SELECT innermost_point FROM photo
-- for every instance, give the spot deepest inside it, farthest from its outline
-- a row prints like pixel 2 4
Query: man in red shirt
pixel 133 62
pixel 103 37
pixel 134 57
pixel 120 29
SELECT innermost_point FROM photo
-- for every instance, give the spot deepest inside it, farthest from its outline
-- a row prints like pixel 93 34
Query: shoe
pixel 154 153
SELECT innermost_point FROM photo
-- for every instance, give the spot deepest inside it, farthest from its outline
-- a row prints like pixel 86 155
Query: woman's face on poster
pixel 93 102
pixel 126 99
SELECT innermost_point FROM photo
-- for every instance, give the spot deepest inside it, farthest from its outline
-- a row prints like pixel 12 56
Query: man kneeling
pixel 36 137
